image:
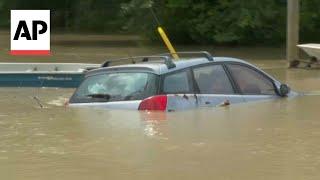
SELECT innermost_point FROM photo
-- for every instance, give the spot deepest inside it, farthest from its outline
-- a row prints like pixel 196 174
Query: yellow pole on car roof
pixel 168 43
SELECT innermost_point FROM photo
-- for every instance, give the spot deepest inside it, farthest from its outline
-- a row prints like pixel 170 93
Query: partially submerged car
pixel 161 83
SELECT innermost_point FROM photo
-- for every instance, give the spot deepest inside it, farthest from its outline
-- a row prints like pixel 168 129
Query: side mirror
pixel 284 90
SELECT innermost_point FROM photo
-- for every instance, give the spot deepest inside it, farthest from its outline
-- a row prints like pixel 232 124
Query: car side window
pixel 177 83
pixel 213 80
pixel 251 82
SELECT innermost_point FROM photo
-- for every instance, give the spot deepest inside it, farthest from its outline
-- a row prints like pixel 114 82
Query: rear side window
pixel 177 83
pixel 250 81
pixel 213 80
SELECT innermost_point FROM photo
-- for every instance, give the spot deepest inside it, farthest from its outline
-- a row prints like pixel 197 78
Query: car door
pixel 179 88
pixel 214 86
pixel 252 83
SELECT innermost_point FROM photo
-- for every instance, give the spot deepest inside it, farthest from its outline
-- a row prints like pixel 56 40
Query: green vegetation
pixel 186 21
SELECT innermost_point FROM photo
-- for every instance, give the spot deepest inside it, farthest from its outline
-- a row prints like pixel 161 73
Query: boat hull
pixel 41 80
pixel 65 75
pixel 313 50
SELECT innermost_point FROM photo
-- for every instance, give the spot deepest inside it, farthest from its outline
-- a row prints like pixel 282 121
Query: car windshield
pixel 116 87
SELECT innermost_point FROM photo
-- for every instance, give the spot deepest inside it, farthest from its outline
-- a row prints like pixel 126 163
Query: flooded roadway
pixel 265 140
pixel 262 140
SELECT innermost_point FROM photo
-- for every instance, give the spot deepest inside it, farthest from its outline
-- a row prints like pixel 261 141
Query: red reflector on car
pixel 158 103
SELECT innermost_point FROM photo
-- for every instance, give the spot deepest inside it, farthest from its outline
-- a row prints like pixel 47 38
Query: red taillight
pixel 158 103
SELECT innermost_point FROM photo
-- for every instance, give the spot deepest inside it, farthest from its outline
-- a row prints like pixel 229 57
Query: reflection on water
pixel 266 140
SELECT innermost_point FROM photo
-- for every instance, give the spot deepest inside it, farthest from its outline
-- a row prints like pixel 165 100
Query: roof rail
pixel 167 60
pixel 206 54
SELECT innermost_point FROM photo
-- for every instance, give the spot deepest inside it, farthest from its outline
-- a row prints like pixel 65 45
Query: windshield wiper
pixel 100 96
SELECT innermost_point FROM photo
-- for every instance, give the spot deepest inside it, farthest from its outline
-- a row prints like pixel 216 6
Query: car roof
pixel 161 68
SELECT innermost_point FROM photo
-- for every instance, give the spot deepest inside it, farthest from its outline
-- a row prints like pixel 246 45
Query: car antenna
pixel 164 35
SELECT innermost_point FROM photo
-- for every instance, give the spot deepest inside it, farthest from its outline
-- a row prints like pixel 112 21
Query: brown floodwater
pixel 263 140
pixel 276 139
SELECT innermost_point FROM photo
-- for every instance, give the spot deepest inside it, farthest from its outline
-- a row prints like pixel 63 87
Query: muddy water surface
pixel 263 140
pixel 266 140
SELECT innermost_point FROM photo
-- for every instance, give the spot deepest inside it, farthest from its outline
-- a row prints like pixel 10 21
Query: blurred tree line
pixel 186 21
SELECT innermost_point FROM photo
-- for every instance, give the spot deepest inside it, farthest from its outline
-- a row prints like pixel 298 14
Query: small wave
pixel 311 93
pixel 58 102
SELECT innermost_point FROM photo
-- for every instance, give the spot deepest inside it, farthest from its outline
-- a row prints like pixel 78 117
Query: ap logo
pixel 30 32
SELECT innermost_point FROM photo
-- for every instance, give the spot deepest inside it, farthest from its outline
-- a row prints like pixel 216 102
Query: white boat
pixel 43 74
pixel 313 50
